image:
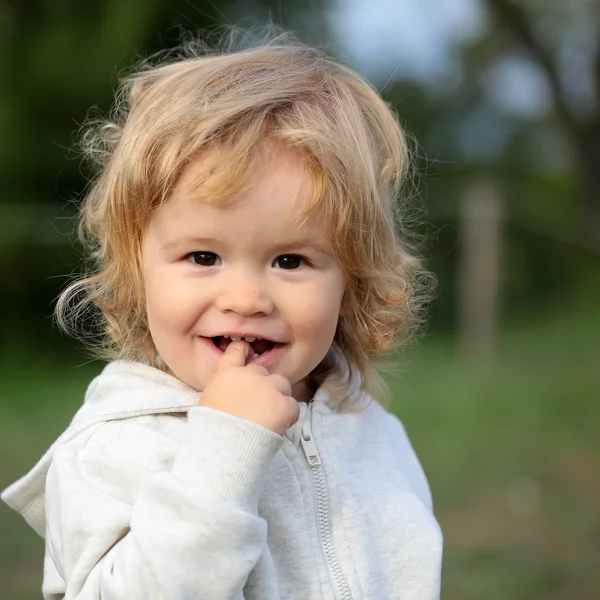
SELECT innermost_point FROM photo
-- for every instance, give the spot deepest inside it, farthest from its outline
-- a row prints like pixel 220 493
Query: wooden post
pixel 479 270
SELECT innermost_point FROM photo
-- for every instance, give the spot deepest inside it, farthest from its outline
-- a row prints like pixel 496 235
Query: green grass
pixel 511 450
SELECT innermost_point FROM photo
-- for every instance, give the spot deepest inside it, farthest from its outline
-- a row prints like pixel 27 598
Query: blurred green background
pixel 500 396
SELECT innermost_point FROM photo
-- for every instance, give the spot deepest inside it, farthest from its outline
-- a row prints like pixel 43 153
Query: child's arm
pixel 118 529
pixel 131 514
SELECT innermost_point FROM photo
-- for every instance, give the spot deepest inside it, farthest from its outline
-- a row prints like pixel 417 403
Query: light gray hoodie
pixel 149 496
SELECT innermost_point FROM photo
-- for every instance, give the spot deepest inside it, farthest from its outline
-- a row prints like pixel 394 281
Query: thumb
pixel 235 355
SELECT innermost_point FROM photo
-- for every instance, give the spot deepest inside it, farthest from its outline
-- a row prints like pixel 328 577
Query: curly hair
pixel 230 101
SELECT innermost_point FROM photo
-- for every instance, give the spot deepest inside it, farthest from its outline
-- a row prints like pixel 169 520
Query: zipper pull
pixel 309 446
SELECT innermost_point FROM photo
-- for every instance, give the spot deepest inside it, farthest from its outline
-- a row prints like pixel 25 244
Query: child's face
pixel 243 269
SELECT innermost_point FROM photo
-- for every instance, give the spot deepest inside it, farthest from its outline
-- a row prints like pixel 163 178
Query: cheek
pixel 157 301
pixel 168 304
pixel 318 320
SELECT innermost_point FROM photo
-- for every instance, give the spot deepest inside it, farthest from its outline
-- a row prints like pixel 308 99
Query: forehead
pixel 276 188
pixel 277 200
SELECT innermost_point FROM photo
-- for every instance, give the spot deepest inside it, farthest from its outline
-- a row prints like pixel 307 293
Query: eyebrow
pixel 189 241
pixel 301 244
pixel 297 244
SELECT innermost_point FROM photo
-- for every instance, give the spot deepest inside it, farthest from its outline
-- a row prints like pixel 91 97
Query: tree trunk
pixel 479 270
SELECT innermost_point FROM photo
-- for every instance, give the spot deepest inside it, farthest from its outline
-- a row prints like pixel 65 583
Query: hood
pixel 122 390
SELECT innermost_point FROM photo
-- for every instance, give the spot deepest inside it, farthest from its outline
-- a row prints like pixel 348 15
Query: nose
pixel 244 295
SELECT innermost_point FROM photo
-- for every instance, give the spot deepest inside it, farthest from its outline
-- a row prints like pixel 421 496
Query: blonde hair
pixel 230 101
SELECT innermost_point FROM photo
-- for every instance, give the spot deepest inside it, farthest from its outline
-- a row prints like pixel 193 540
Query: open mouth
pixel 259 345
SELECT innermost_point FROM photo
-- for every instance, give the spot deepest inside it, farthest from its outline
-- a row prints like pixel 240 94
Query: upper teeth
pixel 237 338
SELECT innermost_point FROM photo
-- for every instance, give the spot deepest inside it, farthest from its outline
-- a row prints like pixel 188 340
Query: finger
pixel 281 384
pixel 235 355
pixel 295 415
pixel 257 368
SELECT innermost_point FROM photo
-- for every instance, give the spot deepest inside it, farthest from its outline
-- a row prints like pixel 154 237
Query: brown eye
pixel 289 261
pixel 204 259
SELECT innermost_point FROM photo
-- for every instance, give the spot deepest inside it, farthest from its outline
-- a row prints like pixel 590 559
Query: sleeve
pixel 117 530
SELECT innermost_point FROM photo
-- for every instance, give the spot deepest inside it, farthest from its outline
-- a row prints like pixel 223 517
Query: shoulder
pixel 132 421
pixel 131 411
pixel 406 453
pixel 114 458
pixel 391 432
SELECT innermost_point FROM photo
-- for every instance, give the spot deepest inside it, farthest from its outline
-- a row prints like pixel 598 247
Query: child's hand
pixel 250 391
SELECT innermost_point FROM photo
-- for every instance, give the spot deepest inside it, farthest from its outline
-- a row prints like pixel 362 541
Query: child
pixel 247 273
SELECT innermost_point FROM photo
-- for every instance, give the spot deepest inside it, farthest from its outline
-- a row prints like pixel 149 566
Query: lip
pixel 265 360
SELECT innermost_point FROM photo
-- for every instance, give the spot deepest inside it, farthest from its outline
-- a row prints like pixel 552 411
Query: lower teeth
pixel 254 355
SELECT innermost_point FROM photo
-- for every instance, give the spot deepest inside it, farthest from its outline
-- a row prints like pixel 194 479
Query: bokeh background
pixel 500 395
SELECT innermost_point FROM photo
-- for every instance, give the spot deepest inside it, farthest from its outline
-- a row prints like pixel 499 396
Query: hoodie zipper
pixel 321 493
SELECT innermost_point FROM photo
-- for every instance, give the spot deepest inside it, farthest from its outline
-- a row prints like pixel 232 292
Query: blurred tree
pixel 496 116
pixel 61 58
pixel 58 58
pixel 564 41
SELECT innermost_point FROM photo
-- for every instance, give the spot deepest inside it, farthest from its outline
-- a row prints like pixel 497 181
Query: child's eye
pixel 204 259
pixel 289 261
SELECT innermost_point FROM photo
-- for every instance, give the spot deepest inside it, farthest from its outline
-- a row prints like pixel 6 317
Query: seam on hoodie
pixel 132 420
